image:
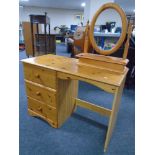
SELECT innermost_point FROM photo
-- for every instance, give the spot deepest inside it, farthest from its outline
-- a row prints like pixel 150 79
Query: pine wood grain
pixel 66 95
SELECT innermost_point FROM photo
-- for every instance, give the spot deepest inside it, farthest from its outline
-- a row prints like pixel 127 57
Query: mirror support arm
pixel 127 41
pixel 86 40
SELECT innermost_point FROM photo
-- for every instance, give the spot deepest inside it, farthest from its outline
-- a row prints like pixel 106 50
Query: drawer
pixel 42 109
pixel 41 93
pixel 40 75
pixel 51 113
pixel 36 107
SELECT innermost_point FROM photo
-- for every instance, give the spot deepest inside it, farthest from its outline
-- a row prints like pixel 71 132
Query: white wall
pixel 57 16
pixel 87 12
pixel 109 15
pixel 95 5
pixel 91 7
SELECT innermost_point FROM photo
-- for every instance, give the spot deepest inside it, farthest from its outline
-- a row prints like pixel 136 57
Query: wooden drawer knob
pixel 38 93
pixel 37 75
pixel 40 108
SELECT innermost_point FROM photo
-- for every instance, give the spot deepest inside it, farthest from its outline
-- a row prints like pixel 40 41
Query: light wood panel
pixel 48 113
pixel 113 117
pixel 86 39
pixel 40 75
pixel 128 41
pixel 106 87
pixel 112 64
pixel 41 93
pixel 51 113
pixel 70 65
pixel 27 37
pixel 104 65
pixel 36 106
pixel 102 58
pixel 66 95
pixel 93 107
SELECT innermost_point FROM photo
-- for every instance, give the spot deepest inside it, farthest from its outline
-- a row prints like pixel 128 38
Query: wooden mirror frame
pixel 124 28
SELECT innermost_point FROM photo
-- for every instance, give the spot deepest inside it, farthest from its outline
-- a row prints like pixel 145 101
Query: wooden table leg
pixel 112 120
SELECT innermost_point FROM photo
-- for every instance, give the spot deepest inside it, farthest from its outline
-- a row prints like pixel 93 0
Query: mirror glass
pixel 107 29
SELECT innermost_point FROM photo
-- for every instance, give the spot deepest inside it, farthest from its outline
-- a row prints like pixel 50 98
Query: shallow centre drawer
pixel 40 75
pixel 40 93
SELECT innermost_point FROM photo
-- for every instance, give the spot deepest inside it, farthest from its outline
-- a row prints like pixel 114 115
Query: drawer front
pixel 36 107
pixel 40 75
pixel 51 113
pixel 42 94
pixel 42 109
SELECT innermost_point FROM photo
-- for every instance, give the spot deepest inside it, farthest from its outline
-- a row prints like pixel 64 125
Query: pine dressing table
pixel 52 86
pixel 52 81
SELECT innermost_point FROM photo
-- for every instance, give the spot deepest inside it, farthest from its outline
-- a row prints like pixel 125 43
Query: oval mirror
pixel 108 29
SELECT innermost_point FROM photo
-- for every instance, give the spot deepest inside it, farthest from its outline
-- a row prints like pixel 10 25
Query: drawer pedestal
pixel 49 98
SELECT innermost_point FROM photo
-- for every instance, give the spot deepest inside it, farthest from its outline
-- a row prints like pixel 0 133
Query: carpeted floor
pixel 84 132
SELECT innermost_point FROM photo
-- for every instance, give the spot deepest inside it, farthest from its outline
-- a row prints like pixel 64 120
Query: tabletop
pixel 73 67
